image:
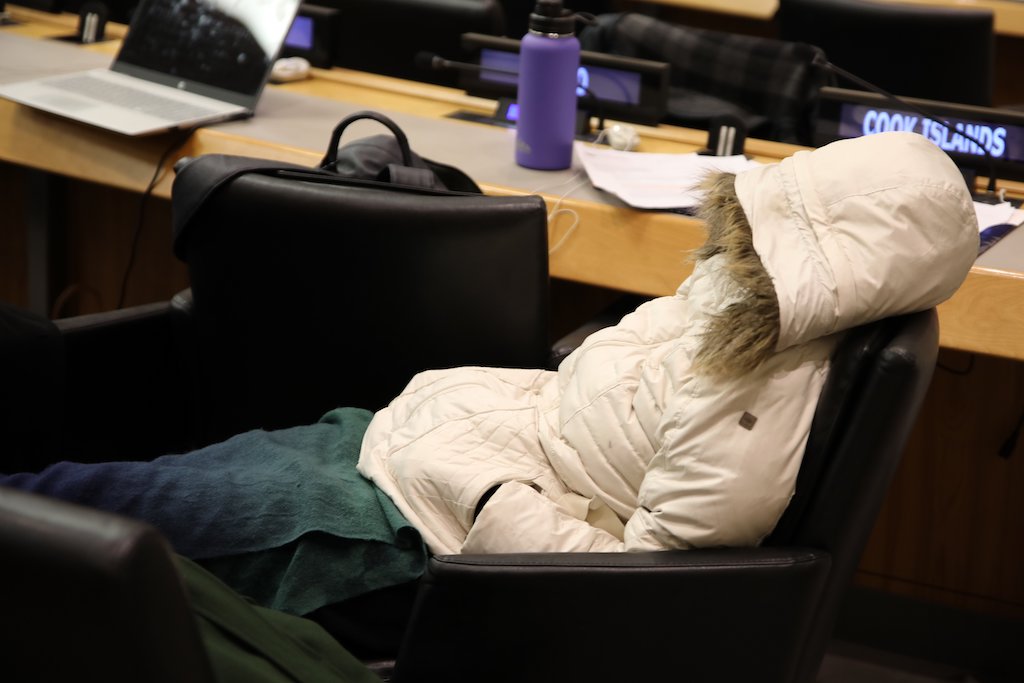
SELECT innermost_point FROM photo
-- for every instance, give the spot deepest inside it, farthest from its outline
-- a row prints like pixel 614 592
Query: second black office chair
pixel 308 293
pixel 311 292
pixel 384 36
pixel 937 53
pixel 771 86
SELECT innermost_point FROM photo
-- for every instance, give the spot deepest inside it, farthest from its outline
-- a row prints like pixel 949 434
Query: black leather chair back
pixel 937 53
pixel 315 293
pixel 384 36
pixel 89 596
pixel 769 86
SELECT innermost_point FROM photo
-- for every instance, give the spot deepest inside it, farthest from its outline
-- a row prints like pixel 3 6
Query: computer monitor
pixel 312 35
pixel 620 88
pixel 847 113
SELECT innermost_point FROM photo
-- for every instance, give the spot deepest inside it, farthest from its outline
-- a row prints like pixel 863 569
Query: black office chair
pixel 308 292
pixel 90 596
pixel 763 614
pixel 311 292
pixel 937 53
pixel 770 86
pixel 746 614
pixel 384 36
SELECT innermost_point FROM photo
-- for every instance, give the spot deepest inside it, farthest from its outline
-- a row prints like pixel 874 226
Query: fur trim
pixel 742 336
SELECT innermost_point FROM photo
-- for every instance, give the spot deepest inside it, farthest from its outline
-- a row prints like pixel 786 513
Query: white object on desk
pixel 287 69
pixel 995 214
pixel 654 181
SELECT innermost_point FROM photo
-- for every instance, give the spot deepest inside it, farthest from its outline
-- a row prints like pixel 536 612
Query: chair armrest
pixel 89 595
pixel 126 392
pixel 606 318
pixel 548 617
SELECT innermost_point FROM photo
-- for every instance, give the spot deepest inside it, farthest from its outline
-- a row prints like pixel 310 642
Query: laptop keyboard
pixel 130 98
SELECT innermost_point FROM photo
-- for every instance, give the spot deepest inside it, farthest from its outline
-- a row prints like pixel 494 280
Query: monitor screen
pixel 300 35
pixel 980 138
pixel 625 88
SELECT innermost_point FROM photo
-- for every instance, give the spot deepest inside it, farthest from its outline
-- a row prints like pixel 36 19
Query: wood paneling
pixel 952 527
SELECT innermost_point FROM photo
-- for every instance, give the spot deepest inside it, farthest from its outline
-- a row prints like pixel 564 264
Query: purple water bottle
pixel 549 57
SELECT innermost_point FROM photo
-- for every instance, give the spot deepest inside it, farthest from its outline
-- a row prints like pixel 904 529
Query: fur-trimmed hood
pixel 859 230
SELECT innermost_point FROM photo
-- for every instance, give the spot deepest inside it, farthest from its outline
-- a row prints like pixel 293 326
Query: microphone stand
pixel 990 190
pixel 430 61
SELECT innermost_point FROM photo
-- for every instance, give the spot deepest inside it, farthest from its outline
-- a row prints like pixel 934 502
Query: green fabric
pixel 251 644
pixel 325 533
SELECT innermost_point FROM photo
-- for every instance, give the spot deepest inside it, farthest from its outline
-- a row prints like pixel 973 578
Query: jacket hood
pixel 859 230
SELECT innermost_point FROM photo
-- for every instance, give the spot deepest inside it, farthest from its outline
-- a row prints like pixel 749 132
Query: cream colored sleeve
pixel 518 519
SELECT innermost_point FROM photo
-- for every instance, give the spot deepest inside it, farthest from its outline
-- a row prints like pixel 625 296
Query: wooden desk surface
pixel 613 246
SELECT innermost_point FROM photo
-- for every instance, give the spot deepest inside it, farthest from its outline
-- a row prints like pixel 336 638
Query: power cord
pixel 136 234
pixel 557 210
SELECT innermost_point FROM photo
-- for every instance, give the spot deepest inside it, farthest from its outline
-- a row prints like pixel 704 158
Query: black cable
pixel 901 102
pixel 142 209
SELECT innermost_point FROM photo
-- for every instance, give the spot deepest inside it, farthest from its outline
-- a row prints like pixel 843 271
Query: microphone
pixel 429 61
pixel 990 190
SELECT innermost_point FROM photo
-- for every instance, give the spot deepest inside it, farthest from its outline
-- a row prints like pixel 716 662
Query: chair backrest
pixel 938 53
pixel 770 85
pixel 312 293
pixel 90 596
pixel 869 404
pixel 383 36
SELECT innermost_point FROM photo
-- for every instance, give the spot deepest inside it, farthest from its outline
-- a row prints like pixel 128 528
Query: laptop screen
pixel 218 48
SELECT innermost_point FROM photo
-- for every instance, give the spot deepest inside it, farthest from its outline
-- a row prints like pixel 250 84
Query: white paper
pixel 994 214
pixel 654 181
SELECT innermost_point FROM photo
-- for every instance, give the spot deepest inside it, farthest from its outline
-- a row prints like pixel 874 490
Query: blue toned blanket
pixel 281 516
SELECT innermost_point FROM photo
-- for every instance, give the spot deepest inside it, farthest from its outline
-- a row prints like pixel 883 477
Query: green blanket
pixel 348 538
pixel 281 516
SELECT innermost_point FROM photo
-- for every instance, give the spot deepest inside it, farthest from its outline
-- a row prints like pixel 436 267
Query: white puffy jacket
pixel 626 447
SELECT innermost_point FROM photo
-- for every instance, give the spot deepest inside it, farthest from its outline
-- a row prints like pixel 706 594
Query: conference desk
pixel 614 246
pixel 951 527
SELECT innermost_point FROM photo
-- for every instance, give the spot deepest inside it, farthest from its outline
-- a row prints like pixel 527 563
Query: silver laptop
pixel 182 63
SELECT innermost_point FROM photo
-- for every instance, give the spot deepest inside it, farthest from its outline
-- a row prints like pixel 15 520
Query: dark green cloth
pixel 349 538
pixel 281 516
pixel 250 644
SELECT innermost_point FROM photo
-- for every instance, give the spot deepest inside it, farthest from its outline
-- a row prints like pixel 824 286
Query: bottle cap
pixel 549 16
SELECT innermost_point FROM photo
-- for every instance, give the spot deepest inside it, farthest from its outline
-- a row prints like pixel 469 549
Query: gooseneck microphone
pixel 430 61
pixel 903 104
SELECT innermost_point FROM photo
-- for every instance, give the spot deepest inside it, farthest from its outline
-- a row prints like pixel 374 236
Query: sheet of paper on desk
pixel 996 221
pixel 996 214
pixel 653 181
